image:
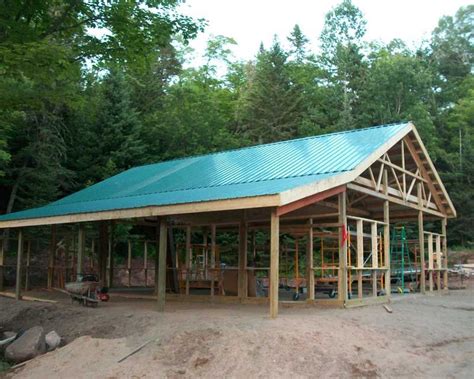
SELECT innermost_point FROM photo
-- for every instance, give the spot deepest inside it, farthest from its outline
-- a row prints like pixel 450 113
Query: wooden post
pixel 360 257
pixel 375 258
pixel 18 265
pixel 342 276
pixel 386 237
pixel 51 256
pixel 188 257
pixel 438 262
pixel 161 292
pixel 81 241
pixel 430 261
pixel 103 251
pixel 110 263
pixel 444 223
pixel 129 263
pixel 2 262
pixel 145 261
pixel 27 266
pixel 274 262
pixel 421 241
pixel 242 291
pixel 309 262
pixel 213 257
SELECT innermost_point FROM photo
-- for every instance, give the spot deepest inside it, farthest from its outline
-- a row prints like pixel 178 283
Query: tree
pixel 271 108
pixel 298 43
pixel 341 58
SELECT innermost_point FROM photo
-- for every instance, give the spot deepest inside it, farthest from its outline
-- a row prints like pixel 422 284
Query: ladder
pixel 400 262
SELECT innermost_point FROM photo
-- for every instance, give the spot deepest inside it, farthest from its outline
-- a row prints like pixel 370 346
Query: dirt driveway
pixel 425 336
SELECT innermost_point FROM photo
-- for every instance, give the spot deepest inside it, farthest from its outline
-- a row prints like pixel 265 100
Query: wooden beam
pixel 242 275
pixel 188 257
pixel 430 261
pixel 51 256
pixel 27 266
pixel 19 257
pixel 375 261
pixel 2 262
pixel 309 263
pixel 360 256
pixel 301 203
pixel 81 240
pixel 386 238
pixel 438 262
pixel 129 263
pixel 103 251
pixel 421 242
pixel 444 223
pixel 161 291
pixel 213 256
pixel 342 272
pixel 274 262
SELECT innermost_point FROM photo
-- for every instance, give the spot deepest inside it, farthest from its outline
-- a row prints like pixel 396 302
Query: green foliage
pixel 91 88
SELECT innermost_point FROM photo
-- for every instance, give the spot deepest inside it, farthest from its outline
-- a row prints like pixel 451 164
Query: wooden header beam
pixel 298 204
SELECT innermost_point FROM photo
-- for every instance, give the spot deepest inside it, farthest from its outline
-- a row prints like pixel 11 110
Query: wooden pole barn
pixel 341 193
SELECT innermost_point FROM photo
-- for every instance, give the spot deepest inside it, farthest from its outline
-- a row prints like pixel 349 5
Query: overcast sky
pixel 250 22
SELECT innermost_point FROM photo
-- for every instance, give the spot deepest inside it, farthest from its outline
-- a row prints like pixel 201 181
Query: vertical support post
pixel 111 255
pixel 129 263
pixel 103 251
pixel 421 241
pixel 162 265
pixel 386 237
pixel 18 265
pixel 145 261
pixel 444 223
pixel 375 258
pixel 188 257
pixel 92 256
pixel 430 261
pixel 342 276
pixel 242 291
pixel 81 241
pixel 274 262
pixel 2 262
pixel 360 256
pixel 51 256
pixel 213 257
pixel 309 262
pixel 27 267
pixel 438 262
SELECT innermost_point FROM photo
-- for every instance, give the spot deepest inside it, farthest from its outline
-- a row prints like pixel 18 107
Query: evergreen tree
pixel 271 109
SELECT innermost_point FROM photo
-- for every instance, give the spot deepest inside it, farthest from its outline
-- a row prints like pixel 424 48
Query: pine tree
pixel 272 106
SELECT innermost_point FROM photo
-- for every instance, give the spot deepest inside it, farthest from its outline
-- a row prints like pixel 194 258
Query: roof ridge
pixel 268 144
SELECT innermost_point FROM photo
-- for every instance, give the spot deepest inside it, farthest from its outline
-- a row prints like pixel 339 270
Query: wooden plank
pixel 243 243
pixel 375 260
pixel 213 256
pixel 2 262
pixel 27 266
pixel 342 273
pixel 430 261
pixel 360 256
pixel 444 223
pixel 51 257
pixel 152 211
pixel 353 303
pixel 301 203
pixel 309 263
pixel 161 291
pixel 145 261
pixel 18 265
pixel 386 238
pixel 274 262
pixel 421 242
pixel 129 263
pixel 188 257
pixel 80 249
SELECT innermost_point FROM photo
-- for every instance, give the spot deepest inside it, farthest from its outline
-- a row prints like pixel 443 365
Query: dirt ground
pixel 425 336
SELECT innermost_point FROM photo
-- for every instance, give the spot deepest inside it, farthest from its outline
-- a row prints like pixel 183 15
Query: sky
pixel 250 22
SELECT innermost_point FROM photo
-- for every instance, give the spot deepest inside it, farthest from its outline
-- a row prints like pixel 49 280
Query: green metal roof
pixel 252 171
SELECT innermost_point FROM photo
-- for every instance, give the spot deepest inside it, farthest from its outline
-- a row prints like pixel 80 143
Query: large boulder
pixel 29 345
pixel 53 340
pixel 6 338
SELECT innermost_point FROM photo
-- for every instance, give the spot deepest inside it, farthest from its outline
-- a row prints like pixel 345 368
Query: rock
pixel 52 340
pixel 6 339
pixel 29 345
